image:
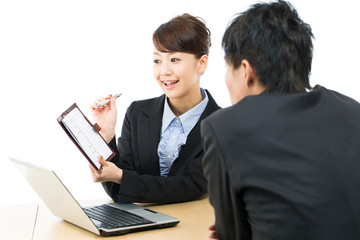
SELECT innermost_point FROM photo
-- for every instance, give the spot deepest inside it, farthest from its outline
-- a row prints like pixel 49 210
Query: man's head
pixel 271 48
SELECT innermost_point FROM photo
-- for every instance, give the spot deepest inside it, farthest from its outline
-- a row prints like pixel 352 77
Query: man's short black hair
pixel 276 43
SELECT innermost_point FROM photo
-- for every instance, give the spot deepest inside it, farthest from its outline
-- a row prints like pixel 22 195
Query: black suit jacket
pixel 285 166
pixel 136 154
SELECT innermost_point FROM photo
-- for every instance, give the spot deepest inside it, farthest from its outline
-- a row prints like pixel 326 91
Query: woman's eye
pixel 156 61
pixel 175 60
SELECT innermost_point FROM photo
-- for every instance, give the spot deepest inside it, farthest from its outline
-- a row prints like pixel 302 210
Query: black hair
pixel 276 43
pixel 184 33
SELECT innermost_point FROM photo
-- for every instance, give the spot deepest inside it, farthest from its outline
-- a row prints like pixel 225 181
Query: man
pixel 284 161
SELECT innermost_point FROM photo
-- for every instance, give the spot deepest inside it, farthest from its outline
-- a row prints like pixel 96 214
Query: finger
pixel 97 102
pixel 211 227
pixel 94 105
pixel 94 173
pixel 112 102
pixel 102 161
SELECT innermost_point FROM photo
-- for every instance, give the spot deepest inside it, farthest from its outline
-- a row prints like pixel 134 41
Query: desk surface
pixel 36 222
pixel 18 221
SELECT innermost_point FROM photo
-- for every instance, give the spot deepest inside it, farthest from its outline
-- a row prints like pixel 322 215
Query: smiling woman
pixel 178 74
pixel 181 48
pixel 159 153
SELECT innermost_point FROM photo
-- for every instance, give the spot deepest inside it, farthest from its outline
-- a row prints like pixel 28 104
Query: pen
pixel 107 101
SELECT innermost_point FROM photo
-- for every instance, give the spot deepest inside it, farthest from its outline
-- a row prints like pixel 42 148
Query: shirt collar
pixel 168 116
pixel 188 119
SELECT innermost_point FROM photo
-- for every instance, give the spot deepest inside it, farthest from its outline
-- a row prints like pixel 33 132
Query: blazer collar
pixel 150 126
pixel 156 108
pixel 193 142
pixel 194 135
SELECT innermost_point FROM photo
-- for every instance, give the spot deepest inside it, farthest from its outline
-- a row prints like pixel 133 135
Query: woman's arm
pixel 185 185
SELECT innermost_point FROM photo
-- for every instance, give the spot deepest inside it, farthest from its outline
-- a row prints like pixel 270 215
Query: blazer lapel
pixel 149 127
pixel 193 143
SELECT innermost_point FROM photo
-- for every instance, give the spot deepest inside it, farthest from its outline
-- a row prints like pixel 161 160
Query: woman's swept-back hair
pixel 184 33
pixel 276 43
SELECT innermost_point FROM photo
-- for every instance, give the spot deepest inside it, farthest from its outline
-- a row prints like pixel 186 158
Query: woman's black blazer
pixel 136 154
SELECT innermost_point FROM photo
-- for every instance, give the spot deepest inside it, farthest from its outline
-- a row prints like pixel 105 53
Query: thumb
pixel 102 161
pixel 112 102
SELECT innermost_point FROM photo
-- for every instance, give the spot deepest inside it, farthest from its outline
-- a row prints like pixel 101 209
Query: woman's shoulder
pixel 147 105
pixel 212 105
pixel 147 102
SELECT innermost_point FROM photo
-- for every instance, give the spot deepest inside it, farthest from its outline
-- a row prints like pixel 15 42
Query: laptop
pixel 106 220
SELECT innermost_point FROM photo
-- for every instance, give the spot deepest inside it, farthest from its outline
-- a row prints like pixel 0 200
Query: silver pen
pixel 107 101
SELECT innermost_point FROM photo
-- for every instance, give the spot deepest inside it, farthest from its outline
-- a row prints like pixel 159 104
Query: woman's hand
pixel 212 234
pixel 109 172
pixel 105 117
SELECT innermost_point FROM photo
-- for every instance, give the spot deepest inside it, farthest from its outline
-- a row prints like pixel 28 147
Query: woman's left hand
pixel 108 172
pixel 212 235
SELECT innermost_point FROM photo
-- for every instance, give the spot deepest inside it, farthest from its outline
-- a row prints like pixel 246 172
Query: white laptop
pixel 106 219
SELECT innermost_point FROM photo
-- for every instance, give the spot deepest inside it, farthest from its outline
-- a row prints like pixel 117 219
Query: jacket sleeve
pixel 187 185
pixel 111 187
pixel 230 216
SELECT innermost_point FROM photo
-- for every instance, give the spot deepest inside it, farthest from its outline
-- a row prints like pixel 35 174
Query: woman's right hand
pixel 105 117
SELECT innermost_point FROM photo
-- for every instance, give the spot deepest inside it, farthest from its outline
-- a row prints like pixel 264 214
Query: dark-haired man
pixel 284 161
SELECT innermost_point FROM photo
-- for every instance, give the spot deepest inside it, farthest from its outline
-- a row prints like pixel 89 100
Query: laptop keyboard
pixel 111 217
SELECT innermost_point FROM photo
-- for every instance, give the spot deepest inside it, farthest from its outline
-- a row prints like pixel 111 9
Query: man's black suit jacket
pixel 285 166
pixel 136 154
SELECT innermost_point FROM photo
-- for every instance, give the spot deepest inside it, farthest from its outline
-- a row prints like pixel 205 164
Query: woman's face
pixel 178 73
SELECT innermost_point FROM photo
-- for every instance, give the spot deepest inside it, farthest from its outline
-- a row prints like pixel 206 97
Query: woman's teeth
pixel 170 82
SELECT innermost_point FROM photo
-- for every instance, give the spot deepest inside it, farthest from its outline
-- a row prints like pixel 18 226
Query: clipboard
pixel 85 135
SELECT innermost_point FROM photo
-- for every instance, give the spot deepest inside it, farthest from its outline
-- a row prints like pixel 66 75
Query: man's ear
pixel 252 82
pixel 249 74
pixel 203 63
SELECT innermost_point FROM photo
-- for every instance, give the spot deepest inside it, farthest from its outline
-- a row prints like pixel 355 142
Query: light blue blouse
pixel 174 132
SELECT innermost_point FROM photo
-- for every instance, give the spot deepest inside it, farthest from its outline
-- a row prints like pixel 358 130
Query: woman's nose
pixel 165 69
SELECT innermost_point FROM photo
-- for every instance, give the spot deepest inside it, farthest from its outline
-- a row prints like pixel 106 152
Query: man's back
pixel 292 162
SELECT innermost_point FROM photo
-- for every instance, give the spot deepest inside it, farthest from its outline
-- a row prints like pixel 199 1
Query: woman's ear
pixel 203 64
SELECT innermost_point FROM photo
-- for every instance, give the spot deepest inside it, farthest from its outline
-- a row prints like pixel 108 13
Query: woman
pixel 159 154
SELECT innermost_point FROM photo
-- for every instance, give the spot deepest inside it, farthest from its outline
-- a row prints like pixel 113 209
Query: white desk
pixel 17 221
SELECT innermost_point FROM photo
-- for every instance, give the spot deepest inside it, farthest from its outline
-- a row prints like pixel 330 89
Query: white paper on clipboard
pixel 85 135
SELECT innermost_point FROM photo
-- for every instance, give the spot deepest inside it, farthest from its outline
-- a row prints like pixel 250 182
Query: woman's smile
pixel 170 83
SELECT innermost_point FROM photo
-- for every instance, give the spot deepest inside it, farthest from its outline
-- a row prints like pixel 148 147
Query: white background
pixel 55 53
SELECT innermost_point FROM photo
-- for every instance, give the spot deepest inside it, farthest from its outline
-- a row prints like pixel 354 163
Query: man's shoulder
pixel 220 119
pixel 236 111
pixel 337 96
pixel 252 110
pixel 265 108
